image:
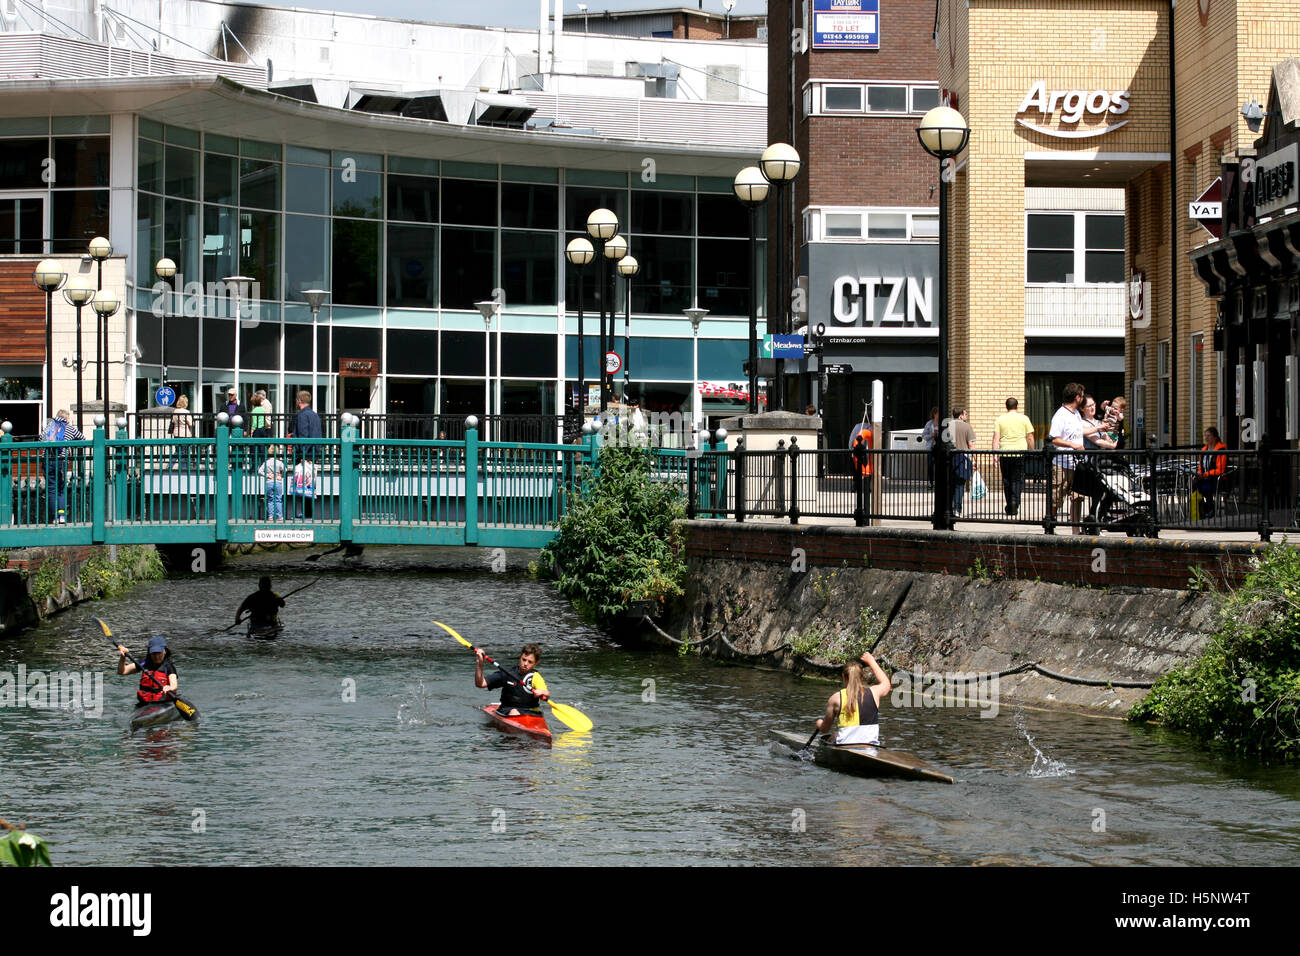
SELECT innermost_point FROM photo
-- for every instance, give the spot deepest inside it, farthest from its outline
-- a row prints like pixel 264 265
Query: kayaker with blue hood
pixel 158 678
pixel 515 699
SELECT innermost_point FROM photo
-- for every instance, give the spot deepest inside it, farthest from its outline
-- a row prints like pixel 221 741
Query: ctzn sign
pixel 850 291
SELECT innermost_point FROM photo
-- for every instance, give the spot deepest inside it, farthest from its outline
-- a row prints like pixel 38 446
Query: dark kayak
pixel 265 631
pixel 533 725
pixel 867 760
pixel 163 712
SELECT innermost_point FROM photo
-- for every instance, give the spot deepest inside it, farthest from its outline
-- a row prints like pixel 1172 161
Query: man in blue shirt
pixel 306 424
pixel 58 428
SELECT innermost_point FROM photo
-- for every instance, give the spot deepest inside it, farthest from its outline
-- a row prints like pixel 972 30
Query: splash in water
pixel 415 713
pixel 1043 765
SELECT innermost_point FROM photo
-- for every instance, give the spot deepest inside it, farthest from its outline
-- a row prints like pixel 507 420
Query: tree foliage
pixel 1244 691
pixel 617 541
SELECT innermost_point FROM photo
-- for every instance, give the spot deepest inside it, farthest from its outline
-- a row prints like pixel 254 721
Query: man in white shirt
pixel 1067 434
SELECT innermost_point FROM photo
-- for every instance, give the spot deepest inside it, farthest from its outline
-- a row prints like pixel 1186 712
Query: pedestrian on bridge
pixel 58 428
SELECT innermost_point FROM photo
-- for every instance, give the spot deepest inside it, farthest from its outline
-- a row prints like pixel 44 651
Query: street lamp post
pixel 579 252
pixel 315 299
pixel 100 249
pixel 943 134
pixel 239 283
pixel 165 269
pixel 615 249
pixel 602 225
pixel 780 164
pixel 105 305
pixel 627 268
pixel 696 315
pixel 79 293
pixel 751 189
pixel 488 308
pixel 49 278
pixel 728 5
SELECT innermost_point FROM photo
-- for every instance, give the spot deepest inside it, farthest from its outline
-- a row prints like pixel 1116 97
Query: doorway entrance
pixel 22 223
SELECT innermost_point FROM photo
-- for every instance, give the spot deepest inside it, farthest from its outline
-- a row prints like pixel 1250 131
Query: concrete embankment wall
pixel 1097 608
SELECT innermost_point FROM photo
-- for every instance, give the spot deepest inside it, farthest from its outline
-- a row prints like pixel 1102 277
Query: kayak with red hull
pixel 532 725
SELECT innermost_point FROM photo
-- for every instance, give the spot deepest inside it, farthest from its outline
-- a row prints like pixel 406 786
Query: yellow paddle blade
pixel 453 634
pixel 103 627
pixel 571 717
pixel 185 709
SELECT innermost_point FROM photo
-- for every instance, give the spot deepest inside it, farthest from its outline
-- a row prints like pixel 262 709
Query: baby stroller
pixel 1119 502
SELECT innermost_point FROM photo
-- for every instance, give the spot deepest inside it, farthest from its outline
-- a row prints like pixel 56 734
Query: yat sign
pixel 1207 209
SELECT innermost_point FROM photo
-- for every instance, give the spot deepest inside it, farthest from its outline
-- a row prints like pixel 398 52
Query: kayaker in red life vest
pixel 514 699
pixel 158 679
pixel 854 712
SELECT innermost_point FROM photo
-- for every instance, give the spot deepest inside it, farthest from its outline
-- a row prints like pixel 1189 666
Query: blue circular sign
pixel 165 396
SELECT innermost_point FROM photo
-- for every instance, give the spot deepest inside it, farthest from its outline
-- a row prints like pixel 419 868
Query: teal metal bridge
pixel 215 490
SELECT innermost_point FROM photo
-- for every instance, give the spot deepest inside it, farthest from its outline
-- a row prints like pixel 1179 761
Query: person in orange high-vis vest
pixel 861 446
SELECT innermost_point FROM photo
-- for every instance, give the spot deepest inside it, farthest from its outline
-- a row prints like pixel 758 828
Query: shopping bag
pixel 977 487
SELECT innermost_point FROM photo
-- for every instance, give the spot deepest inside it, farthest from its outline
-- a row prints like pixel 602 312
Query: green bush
pixel 1244 691
pixel 617 541
pixel 103 577
pixel 20 848
pixel 48 580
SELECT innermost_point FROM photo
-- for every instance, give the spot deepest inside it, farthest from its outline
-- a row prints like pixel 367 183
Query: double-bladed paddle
pixel 571 717
pixel 285 598
pixel 187 710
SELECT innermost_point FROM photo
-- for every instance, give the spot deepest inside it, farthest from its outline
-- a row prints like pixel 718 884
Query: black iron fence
pixel 1137 493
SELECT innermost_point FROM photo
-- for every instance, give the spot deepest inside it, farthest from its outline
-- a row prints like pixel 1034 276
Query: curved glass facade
pixel 406 246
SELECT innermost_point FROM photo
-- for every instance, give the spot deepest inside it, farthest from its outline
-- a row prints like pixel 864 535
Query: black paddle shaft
pixel 514 678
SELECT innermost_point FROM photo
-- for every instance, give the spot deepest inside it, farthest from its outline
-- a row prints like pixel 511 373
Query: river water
pixel 283 769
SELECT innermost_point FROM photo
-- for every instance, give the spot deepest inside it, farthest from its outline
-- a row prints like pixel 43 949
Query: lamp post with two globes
pixel 780 164
pixel 579 252
pixel 751 187
pixel 100 249
pixel 627 268
pixel 49 278
pixel 79 293
pixel 602 225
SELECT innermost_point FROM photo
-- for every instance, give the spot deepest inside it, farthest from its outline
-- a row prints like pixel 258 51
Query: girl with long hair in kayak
pixel 515 699
pixel 853 714
pixel 158 678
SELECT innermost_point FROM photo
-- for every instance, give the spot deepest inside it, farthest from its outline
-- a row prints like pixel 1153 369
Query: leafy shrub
pixel 617 541
pixel 1244 691
pixel 20 848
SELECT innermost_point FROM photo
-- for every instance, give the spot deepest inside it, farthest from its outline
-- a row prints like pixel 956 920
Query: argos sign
pixel 1073 105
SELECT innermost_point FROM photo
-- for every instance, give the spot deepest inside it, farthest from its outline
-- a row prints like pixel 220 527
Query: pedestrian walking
pixel 930 436
pixel 58 429
pixel 963 466
pixel 181 426
pixel 1067 434
pixel 272 469
pixel 1012 432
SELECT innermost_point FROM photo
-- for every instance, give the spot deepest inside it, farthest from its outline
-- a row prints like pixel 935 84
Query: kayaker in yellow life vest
pixel 515 699
pixel 854 712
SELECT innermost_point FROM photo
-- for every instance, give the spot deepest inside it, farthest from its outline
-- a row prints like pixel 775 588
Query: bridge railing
pixel 237 488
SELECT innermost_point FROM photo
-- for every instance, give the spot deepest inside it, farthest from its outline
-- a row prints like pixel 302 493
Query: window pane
pixel 890 99
pixel 413 198
pixel 220 179
pixel 722 360
pixel 149 166
pixel 841 224
pixel 663 285
pixel 469 202
pixel 357 193
pixel 1104 232
pixel 306 254
pixel 579 203
pixel 662 358
pixel 1104 267
pixel 412 352
pixel 259 183
pixel 353 342
pixel 924 98
pixel 259 249
pixel 528 269
pixel 218 343
pixel 662 213
pixel 182 339
pixel 843 98
pixel 1051 232
pixel 925 227
pixel 530 207
pixel 148 238
pixel 468 272
pixel 525 355
pixel 886 225
pixel 183 245
pixel 724 276
pixel 462 354
pixel 413 266
pixel 723 216
pixel 307 189
pixel 220 258
pixel 182 173
pixel 297 347
pixel 22 161
pixel 1050 267
pixel 81 162
pixel 259 347
pixel 356 263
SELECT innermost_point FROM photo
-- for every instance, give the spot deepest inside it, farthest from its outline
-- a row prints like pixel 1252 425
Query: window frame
pixel 1079 249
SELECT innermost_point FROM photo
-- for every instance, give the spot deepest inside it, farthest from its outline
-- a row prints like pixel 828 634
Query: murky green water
pixel 282 769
